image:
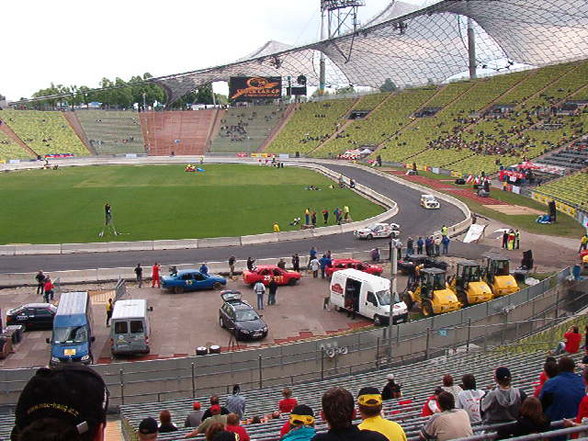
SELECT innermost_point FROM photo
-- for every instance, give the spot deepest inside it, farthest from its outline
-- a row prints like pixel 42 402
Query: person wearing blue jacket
pixel 561 395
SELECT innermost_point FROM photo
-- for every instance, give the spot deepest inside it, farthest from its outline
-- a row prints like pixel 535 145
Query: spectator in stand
pixel 213 430
pixel 148 429
pixel 502 404
pixel 64 403
pixel 391 389
pixel 165 422
pixel 571 345
pixel 469 398
pixel 236 402
pixel 300 424
pixel 287 403
pixel 233 425
pixel 338 411
pixel 194 418
pixel 216 417
pixel 450 423
pixel 562 394
pixel 582 415
pixel 431 406
pixel 214 400
pixel 531 420
pixel 549 371
pixel 369 402
pixel 448 386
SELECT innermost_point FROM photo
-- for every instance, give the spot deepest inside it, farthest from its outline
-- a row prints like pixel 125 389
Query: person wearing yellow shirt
pixel 369 403
pixel 276 227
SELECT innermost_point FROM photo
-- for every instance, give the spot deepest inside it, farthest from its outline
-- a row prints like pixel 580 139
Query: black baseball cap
pixel 148 426
pixel 72 393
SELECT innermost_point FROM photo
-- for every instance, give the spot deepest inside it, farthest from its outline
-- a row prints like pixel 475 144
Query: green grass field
pixel 163 202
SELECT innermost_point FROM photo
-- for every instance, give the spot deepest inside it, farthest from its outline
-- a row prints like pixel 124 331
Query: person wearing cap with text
pixel 369 402
pixel 502 404
pixel 301 422
pixel 148 429
pixel 66 403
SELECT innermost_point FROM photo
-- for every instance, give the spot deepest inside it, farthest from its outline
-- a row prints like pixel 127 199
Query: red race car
pixel 339 264
pixel 266 272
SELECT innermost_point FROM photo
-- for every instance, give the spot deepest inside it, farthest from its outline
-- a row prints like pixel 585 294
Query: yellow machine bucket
pixel 504 285
pixel 478 292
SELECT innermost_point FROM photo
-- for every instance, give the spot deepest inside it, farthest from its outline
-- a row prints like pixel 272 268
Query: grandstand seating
pixel 406 410
pixel 11 150
pixel 310 125
pixel 380 124
pixel 44 132
pixel 111 131
pixel 573 158
pixel 572 189
pixel 179 132
pixel 244 129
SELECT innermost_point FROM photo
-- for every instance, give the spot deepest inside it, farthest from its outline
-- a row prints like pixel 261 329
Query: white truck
pixel 366 295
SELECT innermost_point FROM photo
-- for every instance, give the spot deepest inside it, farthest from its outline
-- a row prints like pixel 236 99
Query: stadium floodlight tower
pixel 338 17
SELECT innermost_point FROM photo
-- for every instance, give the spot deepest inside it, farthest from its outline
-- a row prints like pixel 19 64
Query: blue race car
pixel 191 280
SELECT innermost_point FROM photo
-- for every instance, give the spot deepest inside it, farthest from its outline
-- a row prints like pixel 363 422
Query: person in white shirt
pixel 469 398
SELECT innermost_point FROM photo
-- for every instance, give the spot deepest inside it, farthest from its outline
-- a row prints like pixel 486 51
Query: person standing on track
pixel 139 275
pixel 155 275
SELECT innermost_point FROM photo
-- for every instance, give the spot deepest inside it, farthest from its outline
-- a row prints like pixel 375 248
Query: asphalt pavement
pixel 413 220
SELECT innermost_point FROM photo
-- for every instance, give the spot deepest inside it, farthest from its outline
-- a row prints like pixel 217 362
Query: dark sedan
pixel 32 316
pixel 408 264
pixel 240 318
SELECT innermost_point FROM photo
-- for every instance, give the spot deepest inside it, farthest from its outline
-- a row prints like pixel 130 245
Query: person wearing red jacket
pixel 155 275
pixel 571 345
pixel 48 289
pixel 431 406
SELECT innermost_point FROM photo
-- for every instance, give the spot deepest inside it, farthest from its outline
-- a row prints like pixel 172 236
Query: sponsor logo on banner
pixel 250 88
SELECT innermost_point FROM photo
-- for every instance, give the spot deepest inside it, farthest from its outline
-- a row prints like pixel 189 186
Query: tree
pixel 388 86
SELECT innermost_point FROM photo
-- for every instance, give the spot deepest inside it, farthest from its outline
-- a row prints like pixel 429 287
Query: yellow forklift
pixel 498 275
pixel 468 284
pixel 431 293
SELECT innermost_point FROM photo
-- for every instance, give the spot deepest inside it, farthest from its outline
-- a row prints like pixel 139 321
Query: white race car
pixel 429 202
pixel 378 230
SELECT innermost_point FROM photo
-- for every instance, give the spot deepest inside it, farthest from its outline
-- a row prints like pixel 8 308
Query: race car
pixel 429 202
pixel 378 230
pixel 339 264
pixel 264 273
pixel 191 280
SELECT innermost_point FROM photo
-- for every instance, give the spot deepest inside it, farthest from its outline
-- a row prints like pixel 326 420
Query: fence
pixel 495 322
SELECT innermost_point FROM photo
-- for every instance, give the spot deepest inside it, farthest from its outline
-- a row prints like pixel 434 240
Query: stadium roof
pixel 417 46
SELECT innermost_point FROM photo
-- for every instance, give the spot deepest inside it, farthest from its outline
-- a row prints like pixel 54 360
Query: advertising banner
pixel 254 88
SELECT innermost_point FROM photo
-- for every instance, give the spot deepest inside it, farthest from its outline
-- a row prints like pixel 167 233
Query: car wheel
pixel 292 282
pixel 378 321
pixel 217 285
pixel 178 289
pixel 369 236
pixel 221 323
pixel 427 308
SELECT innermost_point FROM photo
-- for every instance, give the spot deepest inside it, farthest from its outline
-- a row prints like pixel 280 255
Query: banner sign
pixel 252 88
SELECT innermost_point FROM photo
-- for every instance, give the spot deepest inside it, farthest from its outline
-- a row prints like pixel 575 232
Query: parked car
pixel 405 265
pixel 191 280
pixel 240 318
pixel 264 273
pixel 430 202
pixel 340 264
pixel 378 230
pixel 32 316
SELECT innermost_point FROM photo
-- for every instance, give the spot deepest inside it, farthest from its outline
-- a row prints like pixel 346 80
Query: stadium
pixel 479 105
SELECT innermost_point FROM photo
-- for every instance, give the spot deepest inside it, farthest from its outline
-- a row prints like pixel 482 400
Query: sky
pixel 80 42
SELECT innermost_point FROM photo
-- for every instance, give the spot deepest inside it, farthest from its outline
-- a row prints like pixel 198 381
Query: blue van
pixel 72 336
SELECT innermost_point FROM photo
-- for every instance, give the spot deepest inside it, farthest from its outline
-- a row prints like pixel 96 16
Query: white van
pixel 130 331
pixel 367 295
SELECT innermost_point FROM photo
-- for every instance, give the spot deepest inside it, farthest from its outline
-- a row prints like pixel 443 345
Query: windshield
pixel 70 334
pixel 471 274
pixel 383 297
pixel 439 281
pixel 246 315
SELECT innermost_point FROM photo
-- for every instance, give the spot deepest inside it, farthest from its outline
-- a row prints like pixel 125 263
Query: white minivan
pixel 366 295
pixel 130 331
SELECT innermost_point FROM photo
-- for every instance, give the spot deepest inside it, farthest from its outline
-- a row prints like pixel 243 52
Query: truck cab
pixel 468 284
pixel 498 275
